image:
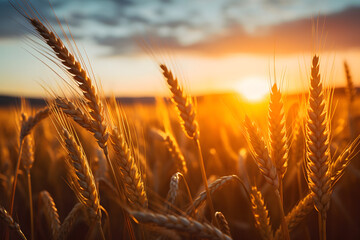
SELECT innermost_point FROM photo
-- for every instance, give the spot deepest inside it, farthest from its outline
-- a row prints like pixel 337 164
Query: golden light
pixel 253 88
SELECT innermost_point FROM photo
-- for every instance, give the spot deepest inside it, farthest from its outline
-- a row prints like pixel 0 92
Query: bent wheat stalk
pixel 81 78
pixel 183 224
pixel 213 187
pixel 187 115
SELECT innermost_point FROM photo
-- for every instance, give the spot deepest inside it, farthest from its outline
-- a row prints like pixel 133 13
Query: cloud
pixel 132 45
pixel 210 30
pixel 12 23
pixel 338 31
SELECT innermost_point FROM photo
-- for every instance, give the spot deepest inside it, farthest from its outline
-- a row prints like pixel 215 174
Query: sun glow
pixel 253 88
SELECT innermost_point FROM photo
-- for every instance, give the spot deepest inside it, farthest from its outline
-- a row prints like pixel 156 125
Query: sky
pixel 213 46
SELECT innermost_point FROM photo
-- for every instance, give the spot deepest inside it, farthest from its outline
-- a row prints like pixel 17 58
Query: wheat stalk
pixel 27 124
pixel 189 124
pixel 182 224
pixel 81 77
pixel 213 187
pixel 317 145
pixel 27 160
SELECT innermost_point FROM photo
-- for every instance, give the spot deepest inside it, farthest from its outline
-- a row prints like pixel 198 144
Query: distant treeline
pixel 8 101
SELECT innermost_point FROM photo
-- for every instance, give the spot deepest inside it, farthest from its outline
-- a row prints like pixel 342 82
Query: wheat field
pixel 87 166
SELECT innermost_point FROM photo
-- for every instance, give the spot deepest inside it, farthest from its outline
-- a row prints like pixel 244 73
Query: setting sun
pixel 253 88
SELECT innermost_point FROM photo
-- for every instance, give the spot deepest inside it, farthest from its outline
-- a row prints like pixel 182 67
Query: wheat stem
pixel 204 178
pixel 30 203
pixel 322 226
pixel 13 190
pixel 282 216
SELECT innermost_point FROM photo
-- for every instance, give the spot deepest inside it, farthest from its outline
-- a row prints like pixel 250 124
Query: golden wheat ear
pixel 183 104
pixel 124 159
pixel 317 142
pixel 81 178
pixel 173 148
pixel 174 190
pixel 350 89
pixel 297 214
pixel 261 214
pixel 80 76
pixel 27 124
pixel 261 153
pixel 318 147
pixel 277 132
pixel 223 223
pixel 51 213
